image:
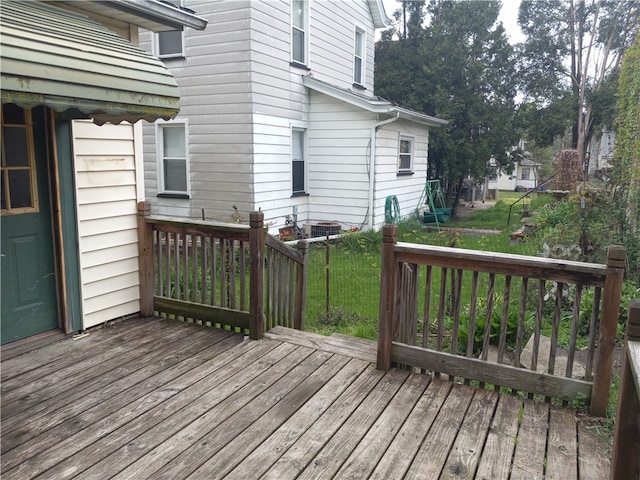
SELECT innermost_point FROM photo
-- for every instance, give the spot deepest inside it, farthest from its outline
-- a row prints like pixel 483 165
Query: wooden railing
pixel 472 300
pixel 214 273
pixel 625 461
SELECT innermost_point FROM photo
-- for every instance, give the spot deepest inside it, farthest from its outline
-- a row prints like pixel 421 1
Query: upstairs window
pixel 299 31
pixel 405 157
pixel 358 57
pixel 170 44
pixel 172 159
pixel 298 163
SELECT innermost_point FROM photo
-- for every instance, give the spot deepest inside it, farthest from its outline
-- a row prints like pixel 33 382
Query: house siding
pixel 107 198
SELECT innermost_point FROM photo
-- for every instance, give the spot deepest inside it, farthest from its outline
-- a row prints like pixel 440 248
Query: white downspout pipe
pixel 372 163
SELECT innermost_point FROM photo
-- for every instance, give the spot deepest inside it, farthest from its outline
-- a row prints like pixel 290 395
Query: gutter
pixel 372 164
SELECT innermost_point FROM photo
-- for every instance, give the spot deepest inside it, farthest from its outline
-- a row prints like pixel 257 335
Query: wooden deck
pixel 166 400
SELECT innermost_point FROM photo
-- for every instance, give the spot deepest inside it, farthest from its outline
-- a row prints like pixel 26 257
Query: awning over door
pixel 66 61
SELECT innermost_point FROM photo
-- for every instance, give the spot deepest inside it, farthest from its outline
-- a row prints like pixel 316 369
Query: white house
pixel 279 114
pixel 70 187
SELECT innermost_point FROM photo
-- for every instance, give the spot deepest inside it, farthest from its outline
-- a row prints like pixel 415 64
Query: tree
pixel 569 64
pixel 626 172
pixel 453 61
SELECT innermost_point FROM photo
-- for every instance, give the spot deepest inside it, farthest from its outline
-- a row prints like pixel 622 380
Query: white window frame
pixel 305 32
pixel 362 57
pixel 528 172
pixel 160 158
pixel 159 54
pixel 410 154
pixel 304 161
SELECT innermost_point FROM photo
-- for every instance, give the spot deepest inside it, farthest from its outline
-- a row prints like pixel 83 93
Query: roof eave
pixel 163 12
pixel 380 19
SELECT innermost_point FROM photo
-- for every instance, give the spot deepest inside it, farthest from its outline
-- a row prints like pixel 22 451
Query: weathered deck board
pixel 181 401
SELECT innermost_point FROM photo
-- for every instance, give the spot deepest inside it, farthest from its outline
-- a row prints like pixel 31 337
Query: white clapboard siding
pixel 105 173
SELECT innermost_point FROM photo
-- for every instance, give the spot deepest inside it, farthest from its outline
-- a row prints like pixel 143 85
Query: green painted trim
pixel 69 222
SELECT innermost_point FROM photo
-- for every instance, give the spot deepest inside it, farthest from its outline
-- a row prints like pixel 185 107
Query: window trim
pixel 412 139
pixel 523 170
pixel 31 167
pixel 305 159
pixel 160 187
pixel 363 56
pixel 305 30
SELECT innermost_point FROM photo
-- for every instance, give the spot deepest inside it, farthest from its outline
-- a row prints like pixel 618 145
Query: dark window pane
pixel 298 45
pixel 405 162
pixel 2 195
pixel 357 70
pixel 20 188
pixel 15 144
pixel 170 43
pixel 175 175
pixel 298 177
pixel 13 114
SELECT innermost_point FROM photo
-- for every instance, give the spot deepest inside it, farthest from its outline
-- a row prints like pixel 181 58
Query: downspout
pixel 372 163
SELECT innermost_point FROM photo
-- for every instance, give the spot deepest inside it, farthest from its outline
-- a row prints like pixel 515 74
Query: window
pixel 526 173
pixel 299 31
pixel 19 187
pixel 172 159
pixel 405 158
pixel 298 164
pixel 358 57
pixel 170 44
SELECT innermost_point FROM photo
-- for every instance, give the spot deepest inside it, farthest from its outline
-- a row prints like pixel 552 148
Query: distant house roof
pixel 371 104
pixel 67 61
pixel 525 162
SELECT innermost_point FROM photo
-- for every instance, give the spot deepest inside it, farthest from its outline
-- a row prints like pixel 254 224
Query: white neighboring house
pixel 601 153
pixel 525 176
pixel 279 114
pixel 70 186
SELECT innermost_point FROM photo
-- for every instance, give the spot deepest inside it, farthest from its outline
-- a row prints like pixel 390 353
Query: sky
pixel 508 16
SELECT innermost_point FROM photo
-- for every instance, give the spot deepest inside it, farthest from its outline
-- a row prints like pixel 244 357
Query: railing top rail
pixel 283 248
pixel 503 263
pixel 201 225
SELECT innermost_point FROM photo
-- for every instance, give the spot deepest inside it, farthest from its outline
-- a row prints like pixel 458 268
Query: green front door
pixel 29 299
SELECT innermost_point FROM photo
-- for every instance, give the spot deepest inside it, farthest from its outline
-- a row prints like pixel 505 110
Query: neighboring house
pixel 601 153
pixel 279 114
pixel 70 187
pixel 525 176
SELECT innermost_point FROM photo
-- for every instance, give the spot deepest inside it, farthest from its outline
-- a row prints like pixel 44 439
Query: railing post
pixel 256 280
pixel 616 256
pixel 145 259
pixel 625 460
pixel 301 286
pixel 387 296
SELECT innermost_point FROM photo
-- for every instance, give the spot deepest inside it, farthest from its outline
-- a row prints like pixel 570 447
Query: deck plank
pixel 329 459
pixel 296 458
pixel 495 463
pixel 367 454
pixel 529 457
pixel 168 439
pixel 269 451
pixel 132 440
pixel 398 457
pixel 215 439
pixel 465 454
pixel 562 448
pixel 44 450
pixel 48 359
pixel 251 437
pixel 164 399
pixel 594 453
pixel 27 396
pixel 430 459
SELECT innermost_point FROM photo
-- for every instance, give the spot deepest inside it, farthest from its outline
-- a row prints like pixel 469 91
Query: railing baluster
pixel 457 293
pixel 574 331
pixel 442 307
pixel 593 332
pixel 426 317
pixel 521 322
pixel 556 327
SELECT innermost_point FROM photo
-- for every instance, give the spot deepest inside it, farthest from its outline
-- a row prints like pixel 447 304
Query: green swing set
pixel 431 207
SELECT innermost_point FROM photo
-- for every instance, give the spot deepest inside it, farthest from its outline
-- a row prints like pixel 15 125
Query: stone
pixel 542 366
